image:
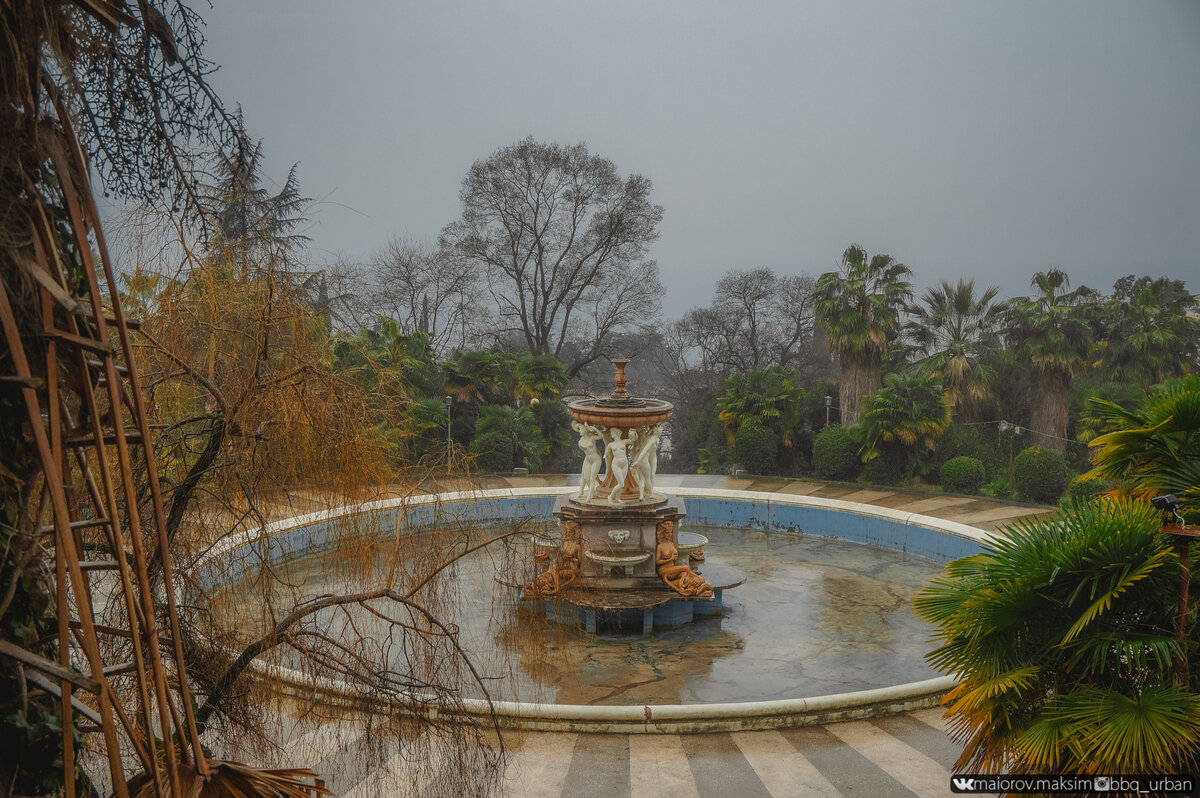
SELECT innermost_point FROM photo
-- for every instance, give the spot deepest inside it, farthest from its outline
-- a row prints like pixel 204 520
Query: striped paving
pixel 903 755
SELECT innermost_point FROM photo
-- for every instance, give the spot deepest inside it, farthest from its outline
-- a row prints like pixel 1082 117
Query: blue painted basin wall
pixel 818 521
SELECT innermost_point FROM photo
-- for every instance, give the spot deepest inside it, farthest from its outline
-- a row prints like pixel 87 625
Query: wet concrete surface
pixel 815 616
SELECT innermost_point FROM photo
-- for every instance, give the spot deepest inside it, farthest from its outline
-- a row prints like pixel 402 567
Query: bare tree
pixel 757 319
pixel 426 290
pixel 562 237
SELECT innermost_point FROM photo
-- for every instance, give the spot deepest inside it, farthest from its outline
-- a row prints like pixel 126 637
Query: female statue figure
pixel 680 578
pixel 645 461
pixel 563 572
pixel 588 436
pixel 618 463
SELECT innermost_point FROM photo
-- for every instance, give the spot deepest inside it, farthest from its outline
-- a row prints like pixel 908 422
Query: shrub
pixel 967 441
pixel 493 452
pixel 998 489
pixel 755 448
pixel 1040 474
pixel 1088 489
pixel 963 475
pixel 835 454
pixel 895 464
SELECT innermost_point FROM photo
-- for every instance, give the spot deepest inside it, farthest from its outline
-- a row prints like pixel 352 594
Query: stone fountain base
pixel 618 584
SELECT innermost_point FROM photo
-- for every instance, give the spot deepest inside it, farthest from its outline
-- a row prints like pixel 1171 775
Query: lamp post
pixel 828 404
pixel 449 444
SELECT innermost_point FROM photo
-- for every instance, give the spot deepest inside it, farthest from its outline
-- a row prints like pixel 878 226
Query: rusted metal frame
pixel 110 509
pixel 142 418
pixel 66 707
pixel 105 502
pixel 143 592
pixel 63 533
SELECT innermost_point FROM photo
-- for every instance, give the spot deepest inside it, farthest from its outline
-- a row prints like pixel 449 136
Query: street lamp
pixel 828 404
pixel 449 444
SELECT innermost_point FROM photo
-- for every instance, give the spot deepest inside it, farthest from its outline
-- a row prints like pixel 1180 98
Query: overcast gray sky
pixel 963 138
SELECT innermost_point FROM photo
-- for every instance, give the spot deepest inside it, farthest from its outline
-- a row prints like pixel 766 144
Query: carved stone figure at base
pixel 565 571
pixel 680 578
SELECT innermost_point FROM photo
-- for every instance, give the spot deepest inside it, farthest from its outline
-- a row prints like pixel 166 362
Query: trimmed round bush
pixel 755 448
pixel 1040 474
pixel 963 475
pixel 493 452
pixel 835 454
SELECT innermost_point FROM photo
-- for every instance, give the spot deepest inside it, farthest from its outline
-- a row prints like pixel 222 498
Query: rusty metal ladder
pixel 88 421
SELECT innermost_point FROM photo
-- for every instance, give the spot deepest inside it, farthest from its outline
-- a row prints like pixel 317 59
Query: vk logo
pixel 963 784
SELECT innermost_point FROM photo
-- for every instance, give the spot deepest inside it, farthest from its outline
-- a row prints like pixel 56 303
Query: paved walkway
pixel 903 755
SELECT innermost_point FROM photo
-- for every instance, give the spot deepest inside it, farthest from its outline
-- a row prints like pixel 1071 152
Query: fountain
pixel 620 558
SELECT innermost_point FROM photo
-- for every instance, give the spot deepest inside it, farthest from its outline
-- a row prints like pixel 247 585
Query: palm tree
pixel 484 376
pixel 767 398
pixel 1060 634
pixel 510 435
pixel 539 376
pixel 1050 331
pixel 903 420
pixel 953 333
pixel 1155 448
pixel 1151 338
pixel 859 308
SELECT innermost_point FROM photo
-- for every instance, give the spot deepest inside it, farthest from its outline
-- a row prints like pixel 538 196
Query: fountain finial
pixel 619 393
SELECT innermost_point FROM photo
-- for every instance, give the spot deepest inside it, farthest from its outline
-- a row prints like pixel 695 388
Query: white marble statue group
pixel 642 463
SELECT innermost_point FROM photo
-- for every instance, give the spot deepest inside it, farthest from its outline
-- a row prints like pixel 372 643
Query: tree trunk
pixel 858 380
pixel 1051 396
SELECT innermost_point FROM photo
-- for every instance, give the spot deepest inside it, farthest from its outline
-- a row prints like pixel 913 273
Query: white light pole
pixel 449 444
pixel 828 404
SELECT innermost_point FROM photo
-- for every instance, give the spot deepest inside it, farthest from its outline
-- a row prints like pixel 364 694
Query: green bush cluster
pixel 962 440
pixel 493 453
pixel 963 475
pixel 755 448
pixel 893 466
pixel 835 454
pixel 1040 474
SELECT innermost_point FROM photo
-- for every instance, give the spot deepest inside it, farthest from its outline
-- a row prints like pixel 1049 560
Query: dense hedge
pixel 963 475
pixel 835 454
pixel 1040 474
pixel 755 448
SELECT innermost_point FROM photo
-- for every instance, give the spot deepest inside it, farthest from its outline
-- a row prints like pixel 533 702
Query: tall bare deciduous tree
pixel 562 237
pixel 431 291
pixel 757 319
